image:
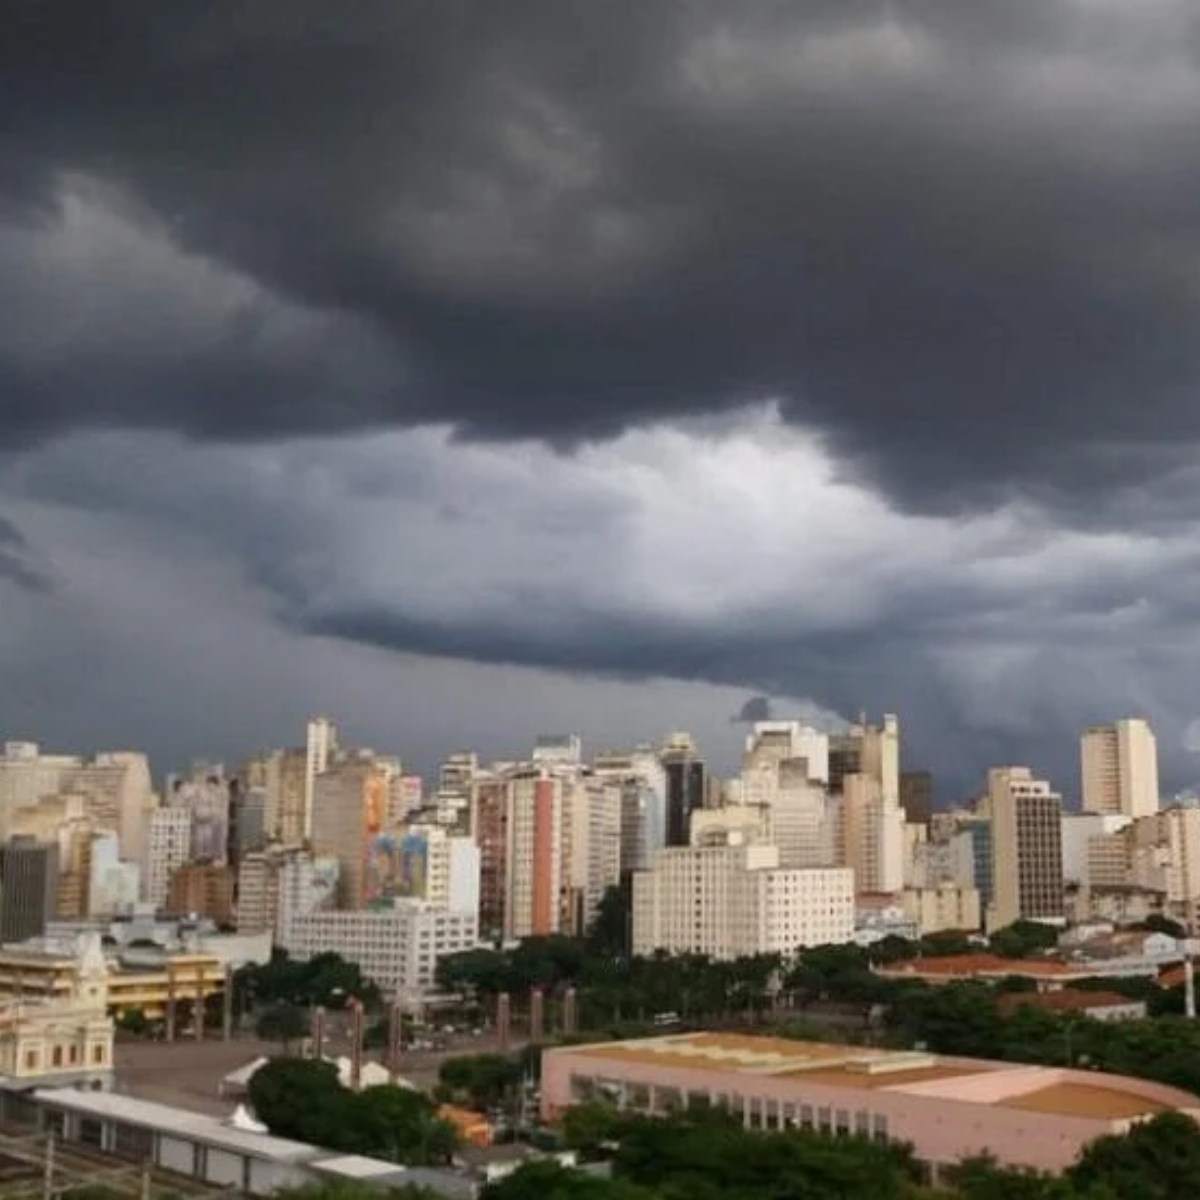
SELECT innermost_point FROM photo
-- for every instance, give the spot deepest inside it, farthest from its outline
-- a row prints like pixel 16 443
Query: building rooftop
pixel 1063 1000
pixel 164 1118
pixel 970 1081
pixel 962 965
pixel 1082 1099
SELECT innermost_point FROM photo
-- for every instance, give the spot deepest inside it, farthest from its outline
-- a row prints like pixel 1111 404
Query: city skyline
pixel 469 388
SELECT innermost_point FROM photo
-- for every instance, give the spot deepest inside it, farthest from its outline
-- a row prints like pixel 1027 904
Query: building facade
pixel 1119 769
pixel 1027 859
pixel 397 948
pixel 731 898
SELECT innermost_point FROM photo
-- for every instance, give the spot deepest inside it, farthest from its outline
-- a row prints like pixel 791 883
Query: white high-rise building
pixel 168 847
pixel 1119 768
pixel 731 898
pixel 320 743
pixel 872 836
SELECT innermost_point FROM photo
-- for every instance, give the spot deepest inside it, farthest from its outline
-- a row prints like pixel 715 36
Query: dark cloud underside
pixel 960 239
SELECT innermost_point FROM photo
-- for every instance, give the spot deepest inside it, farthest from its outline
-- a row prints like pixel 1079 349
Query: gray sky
pixel 471 370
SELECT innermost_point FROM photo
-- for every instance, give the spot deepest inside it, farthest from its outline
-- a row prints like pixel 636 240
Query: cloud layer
pixel 841 351
pixel 735 557
pixel 961 241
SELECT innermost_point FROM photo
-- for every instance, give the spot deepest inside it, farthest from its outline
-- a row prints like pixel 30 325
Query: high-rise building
pixel 320 743
pixel 349 805
pixel 643 783
pixel 686 786
pixel 592 848
pixel 168 847
pixel 203 890
pixel 534 858
pixel 287 805
pixel 28 888
pixel 1119 768
pixel 872 836
pixel 729 897
pixel 489 828
pixel 247 818
pixel 916 796
pixel 1164 857
pixel 205 795
pixel 1027 879
pixel 26 775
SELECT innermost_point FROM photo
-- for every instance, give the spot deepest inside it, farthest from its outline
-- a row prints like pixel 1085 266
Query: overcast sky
pixel 475 370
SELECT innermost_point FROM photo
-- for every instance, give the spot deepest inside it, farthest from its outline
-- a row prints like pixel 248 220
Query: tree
pixel 133 1020
pixel 283 1023
pixel 481 1080
pixel 287 1093
pixel 302 1099
pixel 1158 1159
pixel 588 1128
pixel 1023 938
pixel 609 931
pixel 549 1181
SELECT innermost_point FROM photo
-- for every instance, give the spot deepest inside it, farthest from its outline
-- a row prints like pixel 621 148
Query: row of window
pixel 64 1056
pixel 758 1112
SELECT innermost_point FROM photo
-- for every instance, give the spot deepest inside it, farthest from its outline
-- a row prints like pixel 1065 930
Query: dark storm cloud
pixel 756 708
pixel 962 240
pixel 16 563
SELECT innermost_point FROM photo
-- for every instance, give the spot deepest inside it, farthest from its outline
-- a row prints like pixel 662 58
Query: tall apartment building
pixel 534 858
pixel 488 824
pixel 916 796
pixel 349 806
pixel 785 768
pixel 730 898
pixel 1094 849
pixel 287 803
pixel 168 847
pixel 1027 880
pixel 118 794
pixel 397 947
pixel 320 743
pixel 643 782
pixel 1164 857
pixel 872 829
pixel 205 795
pixel 203 890
pixel 26 775
pixel 28 888
pixel 115 884
pixel 1119 769
pixel 686 786
pixel 423 861
pixel 591 849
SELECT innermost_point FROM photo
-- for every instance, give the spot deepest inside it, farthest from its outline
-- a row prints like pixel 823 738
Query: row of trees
pixel 327 980
pixel 302 1099
pixel 706 1156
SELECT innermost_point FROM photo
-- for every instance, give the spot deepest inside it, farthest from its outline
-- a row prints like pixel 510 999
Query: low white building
pixel 731 898
pixel 397 948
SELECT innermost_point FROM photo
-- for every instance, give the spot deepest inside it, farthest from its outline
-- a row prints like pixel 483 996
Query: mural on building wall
pixel 206 797
pixel 397 867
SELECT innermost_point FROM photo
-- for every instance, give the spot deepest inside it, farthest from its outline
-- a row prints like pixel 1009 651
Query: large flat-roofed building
pixel 948 1109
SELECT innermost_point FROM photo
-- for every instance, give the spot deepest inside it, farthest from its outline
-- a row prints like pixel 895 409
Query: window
pixel 97 1054
pixel 56 1056
pixel 31 1060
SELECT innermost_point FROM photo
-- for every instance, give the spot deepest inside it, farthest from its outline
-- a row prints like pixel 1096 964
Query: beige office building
pixel 1027 862
pixel 1119 768
pixel 731 898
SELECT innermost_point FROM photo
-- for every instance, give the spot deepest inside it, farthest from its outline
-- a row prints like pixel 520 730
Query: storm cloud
pixel 961 240
pixel 842 352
